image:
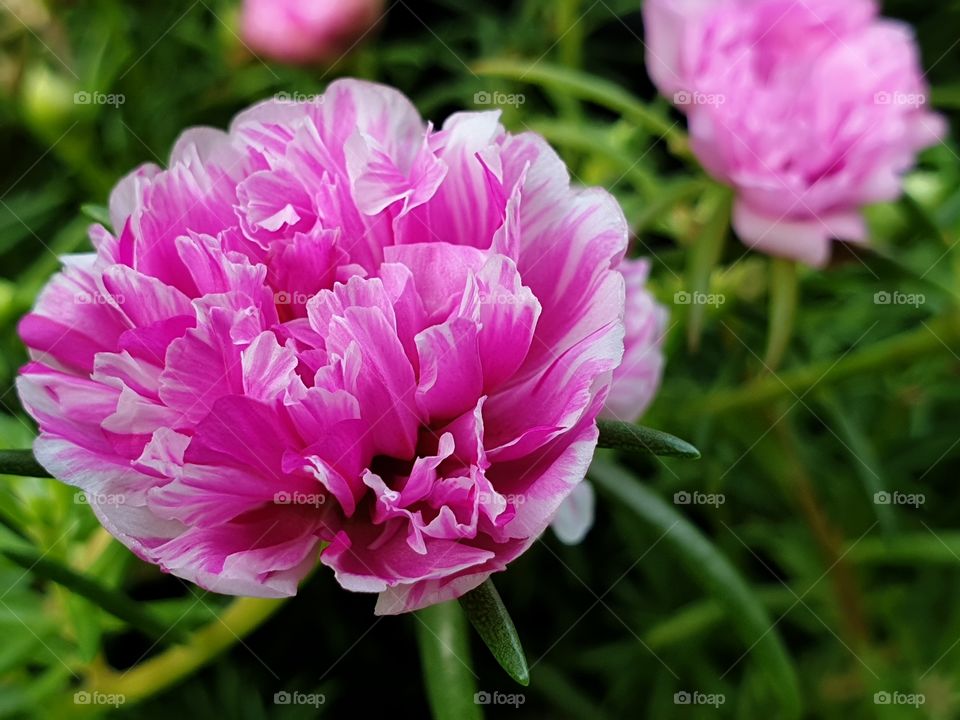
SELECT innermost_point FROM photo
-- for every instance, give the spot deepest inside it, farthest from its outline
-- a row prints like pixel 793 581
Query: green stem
pixel 704 257
pixel 243 616
pixel 570 32
pixel 21 462
pixel 112 601
pixel 935 336
pixel 784 293
pixel 447 669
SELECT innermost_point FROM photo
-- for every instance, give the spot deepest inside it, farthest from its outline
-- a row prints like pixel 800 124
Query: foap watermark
pixel 291 298
pixel 899 698
pixel 499 698
pixel 291 98
pixel 498 99
pixel 84 97
pixel 896 497
pixel 299 498
pixel 486 498
pixel 899 298
pixel 698 498
pixel 682 297
pixel 685 98
pixel 299 698
pixel 98 299
pixel 500 298
pixel 83 497
pixel 913 100
pixel 85 697
pixel 696 697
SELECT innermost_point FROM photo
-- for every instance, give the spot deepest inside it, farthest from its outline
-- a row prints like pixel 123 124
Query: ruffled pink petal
pixel 376 371
pixel 372 561
pixel 451 374
pixel 439 271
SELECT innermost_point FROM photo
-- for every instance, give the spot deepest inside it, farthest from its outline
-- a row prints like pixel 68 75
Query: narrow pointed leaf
pixel 490 618
pixel 866 460
pixel 447 669
pixel 21 462
pixel 908 549
pixel 638 439
pixel 717 575
pixel 112 601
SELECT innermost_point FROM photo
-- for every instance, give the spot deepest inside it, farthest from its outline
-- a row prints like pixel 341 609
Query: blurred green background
pixel 797 591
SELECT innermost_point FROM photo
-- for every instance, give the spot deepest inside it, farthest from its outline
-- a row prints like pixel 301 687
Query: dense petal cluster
pixel 304 31
pixel 810 109
pixel 334 328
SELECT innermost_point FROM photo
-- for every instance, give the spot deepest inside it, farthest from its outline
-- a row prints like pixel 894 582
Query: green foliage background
pixel 798 577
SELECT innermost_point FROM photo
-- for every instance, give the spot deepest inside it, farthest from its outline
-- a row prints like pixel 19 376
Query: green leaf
pixel 490 618
pixel 700 617
pixel 445 654
pixel 21 213
pixel 717 575
pixel 565 697
pixel 865 459
pixel 112 601
pixel 639 439
pixel 21 462
pixel 150 677
pixel 599 143
pixel 934 337
pixel 946 97
pixel 97 213
pixel 86 625
pixel 908 549
pixel 889 269
pixel 667 196
pixel 593 89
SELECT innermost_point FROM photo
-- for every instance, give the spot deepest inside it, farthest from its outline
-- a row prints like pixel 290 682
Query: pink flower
pixel 636 381
pixel 336 328
pixel 810 109
pixel 304 31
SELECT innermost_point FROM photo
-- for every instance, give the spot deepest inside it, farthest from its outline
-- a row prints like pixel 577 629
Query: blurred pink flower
pixel 304 31
pixel 334 326
pixel 637 379
pixel 635 384
pixel 810 109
